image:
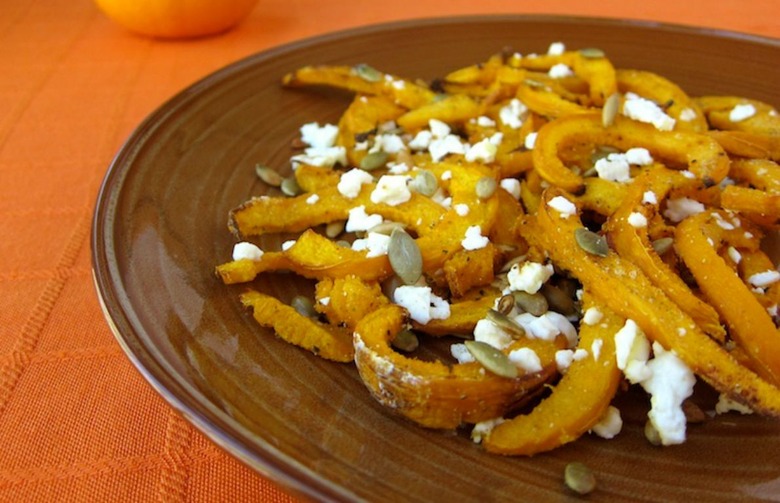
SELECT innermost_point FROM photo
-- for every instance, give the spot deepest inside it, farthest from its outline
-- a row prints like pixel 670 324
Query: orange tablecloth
pixel 77 421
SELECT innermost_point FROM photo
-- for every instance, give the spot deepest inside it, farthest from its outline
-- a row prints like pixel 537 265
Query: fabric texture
pixel 77 420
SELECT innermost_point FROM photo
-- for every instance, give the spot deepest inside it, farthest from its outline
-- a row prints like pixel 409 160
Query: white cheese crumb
pixel 375 244
pixel 742 112
pixel 678 209
pixel 390 143
pixel 462 209
pixel 671 382
pixel 439 148
pixel 644 110
pixel 636 219
pixel 438 128
pixel 447 175
pixel 649 197
pixel 312 199
pixel 563 206
pixel 614 167
pixel 595 348
pixel 322 157
pixel 483 428
pixel 687 114
pixel 548 326
pixel 511 185
pixel 325 301
pixel 288 244
pixel 318 136
pixel 764 279
pixel 350 182
pixel 423 305
pixel 559 71
pixel 592 316
pixel 391 190
pixel 359 220
pixel 485 121
pixel 639 156
pixel 530 140
pixel 246 250
pixel 488 332
pixel 397 168
pixel 421 140
pixel 526 359
pixel 556 49
pixel 482 151
pixel 461 353
pixel 529 277
pixel 513 113
pixel 564 359
pixel 734 254
pixel 726 404
pixel 610 423
pixel 632 350
pixel 474 240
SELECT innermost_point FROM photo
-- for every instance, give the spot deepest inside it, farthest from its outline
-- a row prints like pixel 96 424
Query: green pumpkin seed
pixel 290 187
pixel 304 306
pixel 424 183
pixel 405 341
pixel 492 359
pixel 534 303
pixel 373 161
pixel 558 300
pixel 592 53
pixel 662 245
pixel 387 227
pixel 505 323
pixel 486 187
pixel 505 304
pixel 579 478
pixel 610 110
pixel 368 73
pixel 593 243
pixel 405 256
pixel 268 175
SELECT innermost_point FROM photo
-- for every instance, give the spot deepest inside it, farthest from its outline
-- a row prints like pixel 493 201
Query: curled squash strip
pixel 464 315
pixel 759 173
pixel 751 145
pixel 577 401
pixel 755 262
pixel 467 269
pixel 345 301
pixel 362 117
pixel 312 256
pixel 548 103
pixel 698 153
pixel 624 288
pixel 634 244
pixel 667 94
pixel 747 200
pixel 749 323
pixel 431 393
pixel 329 342
pixel 453 109
pixel 363 80
pixel 314 178
pixel 718 109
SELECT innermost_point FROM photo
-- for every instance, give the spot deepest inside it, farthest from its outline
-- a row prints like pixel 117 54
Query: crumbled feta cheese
pixel 723 224
pixel 392 190
pixel 421 140
pixel 483 428
pixel 438 128
pixel 390 143
pixel 563 206
pixel 513 113
pixel 687 114
pixel 564 359
pixel 681 331
pixel 556 49
pixel 734 254
pixel 488 332
pixel 742 112
pixel 649 197
pixel 397 168
pixel 359 220
pixel 423 305
pixel 726 404
pixel 687 174
pixel 639 156
pixel 461 353
pixel 482 151
pixel 485 121
pixel 447 175
pixel 595 348
pixel 559 71
pixel 441 197
pixel 246 250
pixel 580 354
pixel 350 182
pixel 462 209
pixel 764 279
pixel 614 167
pixel 511 185
pixel 439 148
pixel 610 423
pixel 547 326
pixel 322 157
pixel 474 240
pixel 375 244
pixel 288 244
pixel 325 301
pixel 526 359
pixel 312 199
pixel 632 350
pixel 644 110
pixel 317 136
pixel 592 316
pixel 530 140
pixel 679 209
pixel 529 276
pixel 670 383
pixel 636 219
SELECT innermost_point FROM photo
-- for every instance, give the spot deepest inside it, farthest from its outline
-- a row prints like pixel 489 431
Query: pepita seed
pixel 534 303
pixel 693 413
pixel 651 434
pixel 405 256
pixel 593 243
pixel 268 175
pixel 406 341
pixel 290 187
pixel 505 304
pixel 386 227
pixel 610 110
pixel 368 73
pixel 592 53
pixel 424 183
pixel 492 359
pixel 486 187
pixel 304 306
pixel 373 161
pixel 505 323
pixel 662 245
pixel 515 260
pixel 558 300
pixel 579 478
pixel 333 229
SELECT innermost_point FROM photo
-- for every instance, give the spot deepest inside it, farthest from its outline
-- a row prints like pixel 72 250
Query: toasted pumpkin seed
pixel 405 341
pixel 368 73
pixel 486 187
pixel 610 110
pixel 405 256
pixel 425 183
pixel 290 187
pixel 558 300
pixel 304 306
pixel 662 245
pixel 268 175
pixel 374 160
pixel 333 229
pixel 387 227
pixel 651 434
pixel 505 323
pixel 534 303
pixel 492 359
pixel 505 304
pixel 592 53
pixel 579 478
pixel 593 243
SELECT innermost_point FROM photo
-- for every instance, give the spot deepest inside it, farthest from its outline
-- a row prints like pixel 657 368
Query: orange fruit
pixel 177 18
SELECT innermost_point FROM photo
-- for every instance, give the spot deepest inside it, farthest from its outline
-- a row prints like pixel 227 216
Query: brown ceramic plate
pixel 160 228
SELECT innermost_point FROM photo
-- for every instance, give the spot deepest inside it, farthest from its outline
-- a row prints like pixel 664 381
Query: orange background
pixel 77 421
